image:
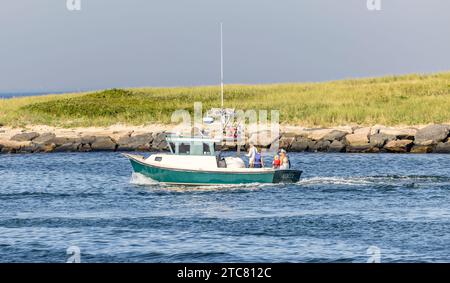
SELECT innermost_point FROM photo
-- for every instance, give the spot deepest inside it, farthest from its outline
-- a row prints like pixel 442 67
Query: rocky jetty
pixel 424 139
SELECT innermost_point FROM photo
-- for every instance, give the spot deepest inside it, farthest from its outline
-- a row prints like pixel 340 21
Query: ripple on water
pixel 343 204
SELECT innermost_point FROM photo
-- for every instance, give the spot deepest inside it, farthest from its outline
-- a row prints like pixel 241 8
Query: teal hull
pixel 188 177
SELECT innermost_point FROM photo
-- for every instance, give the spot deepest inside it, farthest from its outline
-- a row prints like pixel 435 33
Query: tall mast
pixel 221 65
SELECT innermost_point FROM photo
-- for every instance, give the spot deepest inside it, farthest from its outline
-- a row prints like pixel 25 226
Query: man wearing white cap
pixel 251 155
pixel 285 164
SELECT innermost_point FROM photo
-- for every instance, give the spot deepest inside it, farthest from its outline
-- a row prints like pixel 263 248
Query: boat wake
pixel 355 181
pixel 139 179
pixel 375 180
pixel 142 180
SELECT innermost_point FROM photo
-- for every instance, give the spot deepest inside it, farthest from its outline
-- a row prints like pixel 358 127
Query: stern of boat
pixel 287 176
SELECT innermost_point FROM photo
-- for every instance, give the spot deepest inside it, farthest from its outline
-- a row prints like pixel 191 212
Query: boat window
pixel 158 158
pixel 206 149
pixel 184 148
pixel 172 147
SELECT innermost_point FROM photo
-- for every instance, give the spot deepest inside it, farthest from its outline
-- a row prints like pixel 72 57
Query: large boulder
pixel 358 142
pixel 45 138
pixel 103 143
pixel 432 134
pixel 66 147
pixel 379 140
pixel 443 147
pixel 362 131
pixel 321 145
pixel 336 146
pixel 317 134
pixel 159 141
pixel 43 147
pixel 30 148
pixel 421 149
pixel 403 134
pixel 398 133
pixel 84 147
pixel 85 144
pixel 25 136
pixel 59 141
pixel 301 144
pixel 10 146
pixel 398 146
pixel 367 148
pixel 88 139
pixel 357 139
pixel 376 129
pixel 135 142
pixel 335 135
pixel 325 134
pixel 286 142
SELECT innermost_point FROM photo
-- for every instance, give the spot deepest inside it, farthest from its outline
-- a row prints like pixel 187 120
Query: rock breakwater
pixel 433 138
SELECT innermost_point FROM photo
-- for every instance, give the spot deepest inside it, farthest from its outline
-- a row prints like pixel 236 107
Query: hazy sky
pixel 112 43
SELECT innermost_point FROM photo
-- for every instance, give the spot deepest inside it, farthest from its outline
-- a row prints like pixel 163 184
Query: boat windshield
pixel 191 145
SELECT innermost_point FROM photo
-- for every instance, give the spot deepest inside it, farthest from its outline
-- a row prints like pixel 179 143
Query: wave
pixel 139 179
pixel 142 180
pixel 216 188
pixel 386 180
pixel 375 180
pixel 6 195
pixel 333 181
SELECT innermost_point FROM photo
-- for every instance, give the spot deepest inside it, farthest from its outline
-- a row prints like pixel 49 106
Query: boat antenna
pixel 221 64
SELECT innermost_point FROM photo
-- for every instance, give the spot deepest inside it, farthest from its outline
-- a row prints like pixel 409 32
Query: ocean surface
pixel 346 208
pixel 4 95
pixel 20 94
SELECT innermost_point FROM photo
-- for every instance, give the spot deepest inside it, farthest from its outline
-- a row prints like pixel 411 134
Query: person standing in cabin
pixel 258 161
pixel 284 160
pixel 251 155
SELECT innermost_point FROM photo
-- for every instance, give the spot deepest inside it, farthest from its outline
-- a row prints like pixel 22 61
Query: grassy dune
pixel 394 100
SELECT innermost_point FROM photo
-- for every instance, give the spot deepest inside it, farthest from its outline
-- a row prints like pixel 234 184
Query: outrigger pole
pixel 221 65
pixel 224 123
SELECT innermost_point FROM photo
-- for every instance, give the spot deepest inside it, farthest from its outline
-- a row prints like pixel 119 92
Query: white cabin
pixel 197 153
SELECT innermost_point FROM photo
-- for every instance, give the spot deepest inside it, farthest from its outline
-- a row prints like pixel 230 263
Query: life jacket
pixel 257 162
pixel 276 163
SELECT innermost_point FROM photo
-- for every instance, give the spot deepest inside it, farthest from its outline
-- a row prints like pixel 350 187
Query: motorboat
pixel 194 161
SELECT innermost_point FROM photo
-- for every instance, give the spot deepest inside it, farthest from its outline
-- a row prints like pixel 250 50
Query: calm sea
pixel 22 94
pixel 399 205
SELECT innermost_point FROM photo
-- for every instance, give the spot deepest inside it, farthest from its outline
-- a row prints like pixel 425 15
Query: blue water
pixel 4 95
pixel 343 204
pixel 21 94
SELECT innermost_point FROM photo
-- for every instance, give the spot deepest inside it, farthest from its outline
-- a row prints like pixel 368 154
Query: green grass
pixel 393 100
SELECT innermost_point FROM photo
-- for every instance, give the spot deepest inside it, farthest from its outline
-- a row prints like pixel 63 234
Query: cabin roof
pixel 191 139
